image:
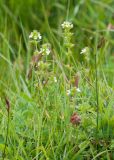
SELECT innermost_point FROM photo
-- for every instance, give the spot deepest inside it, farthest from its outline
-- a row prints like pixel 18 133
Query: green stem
pixel 7 131
pixel 97 92
pixel 68 8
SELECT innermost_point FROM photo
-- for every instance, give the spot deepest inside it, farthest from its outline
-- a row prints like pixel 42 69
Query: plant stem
pixel 7 131
pixel 97 90
pixel 68 8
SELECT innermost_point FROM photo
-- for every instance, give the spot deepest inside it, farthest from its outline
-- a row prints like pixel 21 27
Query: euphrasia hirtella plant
pixel 44 72
pixel 67 35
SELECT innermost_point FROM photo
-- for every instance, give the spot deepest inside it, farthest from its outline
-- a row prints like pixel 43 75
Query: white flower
pixel 78 90
pixel 46 49
pixel 44 82
pixel 68 92
pixel 35 35
pixel 55 79
pixel 67 25
pixel 84 50
pixel 39 36
pixel 31 35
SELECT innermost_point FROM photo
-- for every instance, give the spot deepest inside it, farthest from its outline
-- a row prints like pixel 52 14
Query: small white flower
pixel 84 50
pixel 68 92
pixel 39 36
pixel 44 82
pixel 78 90
pixel 47 51
pixel 55 79
pixel 31 35
pixel 67 25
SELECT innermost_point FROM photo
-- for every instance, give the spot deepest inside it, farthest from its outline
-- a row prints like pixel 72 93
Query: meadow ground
pixel 56 80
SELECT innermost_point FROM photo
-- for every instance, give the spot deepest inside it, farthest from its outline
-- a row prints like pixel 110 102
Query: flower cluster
pixel 43 65
pixel 35 38
pixel 35 35
pixel 53 79
pixel 46 49
pixel 67 25
pixel 67 35
pixel 84 50
pixel 72 91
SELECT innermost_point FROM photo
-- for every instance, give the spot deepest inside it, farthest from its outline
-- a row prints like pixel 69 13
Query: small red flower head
pixel 75 119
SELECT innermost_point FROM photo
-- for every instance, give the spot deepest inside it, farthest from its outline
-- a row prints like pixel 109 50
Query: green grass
pixel 39 118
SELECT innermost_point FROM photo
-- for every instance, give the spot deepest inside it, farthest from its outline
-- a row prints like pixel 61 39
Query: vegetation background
pixel 38 125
